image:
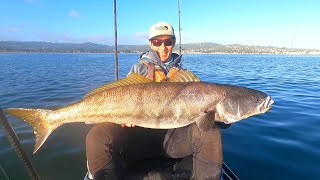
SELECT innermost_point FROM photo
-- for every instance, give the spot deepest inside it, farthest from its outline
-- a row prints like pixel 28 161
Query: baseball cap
pixel 161 28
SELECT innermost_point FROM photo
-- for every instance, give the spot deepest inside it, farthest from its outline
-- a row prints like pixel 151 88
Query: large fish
pixel 142 102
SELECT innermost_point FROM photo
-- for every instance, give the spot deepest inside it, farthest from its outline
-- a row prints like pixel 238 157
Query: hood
pixel 152 56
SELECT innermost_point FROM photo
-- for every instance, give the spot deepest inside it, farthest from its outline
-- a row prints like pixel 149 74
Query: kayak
pixel 165 168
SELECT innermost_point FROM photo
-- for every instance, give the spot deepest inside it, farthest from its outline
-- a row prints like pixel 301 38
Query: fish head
pixel 242 105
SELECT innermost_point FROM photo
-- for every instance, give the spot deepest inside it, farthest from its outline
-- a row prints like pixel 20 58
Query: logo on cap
pixel 160 28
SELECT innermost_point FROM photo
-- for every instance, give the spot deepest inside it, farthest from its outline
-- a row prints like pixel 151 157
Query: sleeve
pixel 138 69
pixel 131 71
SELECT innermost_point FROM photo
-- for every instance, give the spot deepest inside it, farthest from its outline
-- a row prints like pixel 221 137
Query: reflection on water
pixel 283 143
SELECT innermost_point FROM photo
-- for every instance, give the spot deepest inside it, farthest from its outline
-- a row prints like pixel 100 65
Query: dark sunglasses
pixel 158 42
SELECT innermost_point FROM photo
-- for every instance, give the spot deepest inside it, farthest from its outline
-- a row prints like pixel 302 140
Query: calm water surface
pixel 281 144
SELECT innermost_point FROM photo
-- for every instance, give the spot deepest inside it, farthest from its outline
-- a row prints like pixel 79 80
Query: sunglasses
pixel 158 42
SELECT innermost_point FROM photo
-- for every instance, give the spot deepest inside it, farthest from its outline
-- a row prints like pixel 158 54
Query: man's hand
pixel 127 125
pixel 222 125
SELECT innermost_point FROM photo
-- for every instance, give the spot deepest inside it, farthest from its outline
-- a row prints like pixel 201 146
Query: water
pixel 283 143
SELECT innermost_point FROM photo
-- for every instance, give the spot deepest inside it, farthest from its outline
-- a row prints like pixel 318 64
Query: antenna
pixel 115 40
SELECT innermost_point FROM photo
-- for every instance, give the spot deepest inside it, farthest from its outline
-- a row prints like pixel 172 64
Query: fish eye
pixel 255 99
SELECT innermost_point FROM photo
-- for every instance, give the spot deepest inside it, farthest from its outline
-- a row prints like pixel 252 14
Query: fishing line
pixel 180 49
pixel 4 172
pixel 179 12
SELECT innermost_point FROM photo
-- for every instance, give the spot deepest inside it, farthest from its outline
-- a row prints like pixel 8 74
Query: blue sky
pixel 281 23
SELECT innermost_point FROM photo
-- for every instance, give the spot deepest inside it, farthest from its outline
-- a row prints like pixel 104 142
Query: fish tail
pixel 38 119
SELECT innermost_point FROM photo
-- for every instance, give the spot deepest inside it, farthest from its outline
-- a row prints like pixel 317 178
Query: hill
pixel 49 47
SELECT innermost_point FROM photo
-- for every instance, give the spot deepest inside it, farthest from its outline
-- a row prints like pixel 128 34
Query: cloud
pixel 11 33
pixel 133 39
pixel 73 13
pixel 69 37
pixel 99 39
pixel 13 29
pixel 55 37
pixel 141 35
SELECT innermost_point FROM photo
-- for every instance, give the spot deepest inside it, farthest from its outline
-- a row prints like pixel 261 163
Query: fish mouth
pixel 266 105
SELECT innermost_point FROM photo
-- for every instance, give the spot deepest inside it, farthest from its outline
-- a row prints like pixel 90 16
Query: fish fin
pixel 129 80
pixel 206 121
pixel 37 118
pixel 184 75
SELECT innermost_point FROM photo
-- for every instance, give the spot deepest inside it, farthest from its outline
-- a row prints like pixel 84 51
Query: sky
pixel 279 23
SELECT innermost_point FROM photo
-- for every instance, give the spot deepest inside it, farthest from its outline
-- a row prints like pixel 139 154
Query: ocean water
pixel 281 144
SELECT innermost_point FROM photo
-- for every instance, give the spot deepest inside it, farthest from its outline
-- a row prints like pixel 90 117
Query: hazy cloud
pixel 100 39
pixel 68 37
pixel 55 37
pixel 133 39
pixel 73 13
pixel 11 33
pixel 141 35
pixel 13 29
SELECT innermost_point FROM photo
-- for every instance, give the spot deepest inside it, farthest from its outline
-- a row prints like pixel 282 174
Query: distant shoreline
pixel 317 53
pixel 193 48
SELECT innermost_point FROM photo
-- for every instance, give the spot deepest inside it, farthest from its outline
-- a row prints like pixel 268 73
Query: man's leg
pixel 208 156
pixel 102 148
pixel 206 148
pixel 108 144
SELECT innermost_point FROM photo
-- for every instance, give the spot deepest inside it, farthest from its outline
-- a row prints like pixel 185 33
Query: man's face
pixel 163 45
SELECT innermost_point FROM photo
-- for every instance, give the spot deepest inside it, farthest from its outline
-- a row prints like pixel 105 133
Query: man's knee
pixel 206 148
pixel 208 156
pixel 101 134
pixel 207 144
pixel 190 140
pixel 177 142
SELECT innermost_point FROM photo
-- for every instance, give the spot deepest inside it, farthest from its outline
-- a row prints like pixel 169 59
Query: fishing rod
pixel 180 48
pixel 15 142
pixel 179 12
pixel 115 40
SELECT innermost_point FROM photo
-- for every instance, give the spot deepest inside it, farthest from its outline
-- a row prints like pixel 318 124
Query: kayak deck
pixel 166 168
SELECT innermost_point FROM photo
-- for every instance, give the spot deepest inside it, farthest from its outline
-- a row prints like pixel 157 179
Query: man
pixel 108 144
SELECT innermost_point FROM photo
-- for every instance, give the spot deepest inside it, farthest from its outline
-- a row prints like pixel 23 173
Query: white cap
pixel 161 28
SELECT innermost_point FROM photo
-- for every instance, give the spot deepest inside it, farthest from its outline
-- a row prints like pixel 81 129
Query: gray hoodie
pixel 152 57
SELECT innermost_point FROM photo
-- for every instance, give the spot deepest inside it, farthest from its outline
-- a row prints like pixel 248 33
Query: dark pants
pixel 108 144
